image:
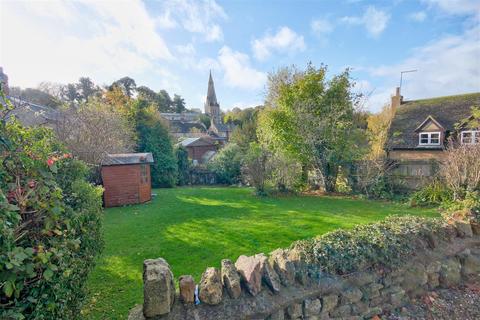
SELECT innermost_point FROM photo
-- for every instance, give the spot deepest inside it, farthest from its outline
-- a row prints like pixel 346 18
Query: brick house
pixel 421 129
pixel 126 178
pixel 200 149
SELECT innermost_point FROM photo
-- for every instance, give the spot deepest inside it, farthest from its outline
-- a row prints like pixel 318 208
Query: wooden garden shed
pixel 126 178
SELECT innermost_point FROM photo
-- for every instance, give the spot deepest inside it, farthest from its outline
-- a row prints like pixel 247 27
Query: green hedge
pixel 50 226
pixel 433 194
pixel 384 243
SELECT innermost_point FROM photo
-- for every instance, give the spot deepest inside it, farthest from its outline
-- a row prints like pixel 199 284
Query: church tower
pixel 212 108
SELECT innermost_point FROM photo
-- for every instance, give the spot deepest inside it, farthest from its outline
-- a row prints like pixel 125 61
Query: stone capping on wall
pixel 281 286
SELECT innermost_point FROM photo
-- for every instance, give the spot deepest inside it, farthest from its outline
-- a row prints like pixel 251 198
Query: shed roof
pixel 127 158
pixel 198 141
pixel 447 111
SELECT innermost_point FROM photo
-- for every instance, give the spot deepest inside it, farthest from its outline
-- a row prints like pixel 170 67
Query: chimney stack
pixel 397 100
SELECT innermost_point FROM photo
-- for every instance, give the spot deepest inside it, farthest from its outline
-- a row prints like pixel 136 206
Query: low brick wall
pixel 284 286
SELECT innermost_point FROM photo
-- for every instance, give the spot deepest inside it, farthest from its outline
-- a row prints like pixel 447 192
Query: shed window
pixel 470 137
pixel 429 139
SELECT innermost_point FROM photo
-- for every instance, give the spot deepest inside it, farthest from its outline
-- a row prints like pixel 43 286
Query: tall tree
pixel 127 85
pixel 183 165
pixel 147 94
pixel 377 132
pixel 94 129
pixel 153 137
pixel 245 131
pixel 311 118
pixel 205 119
pixel 178 104
pixel 53 89
pixel 70 94
pixel 87 89
pixel 164 101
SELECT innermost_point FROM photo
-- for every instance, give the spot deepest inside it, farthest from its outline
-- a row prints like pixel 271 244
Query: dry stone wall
pixel 284 286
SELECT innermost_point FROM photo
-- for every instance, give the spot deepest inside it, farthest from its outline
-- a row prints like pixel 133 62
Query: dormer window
pixel 470 137
pixel 429 139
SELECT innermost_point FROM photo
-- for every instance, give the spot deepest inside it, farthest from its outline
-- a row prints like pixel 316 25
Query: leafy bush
pixel 372 178
pixel 255 170
pixel 460 168
pixel 50 226
pixel 285 173
pixel 227 164
pixel 432 194
pixel 384 243
pixel 466 209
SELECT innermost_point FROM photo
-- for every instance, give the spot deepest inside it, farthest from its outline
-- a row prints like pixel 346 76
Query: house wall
pixel 415 154
pixel 414 168
pixel 414 174
pixel 197 152
pixel 123 185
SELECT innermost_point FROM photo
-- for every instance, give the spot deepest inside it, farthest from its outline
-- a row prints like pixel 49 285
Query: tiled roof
pixel 188 141
pixel 178 126
pixel 30 114
pixel 198 141
pixel 448 111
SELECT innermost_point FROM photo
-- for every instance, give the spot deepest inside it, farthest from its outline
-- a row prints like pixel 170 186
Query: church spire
pixel 211 96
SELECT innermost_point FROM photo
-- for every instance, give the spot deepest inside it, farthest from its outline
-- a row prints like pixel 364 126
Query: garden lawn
pixel 194 228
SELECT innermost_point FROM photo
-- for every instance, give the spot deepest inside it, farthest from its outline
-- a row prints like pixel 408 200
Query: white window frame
pixel 429 136
pixel 474 133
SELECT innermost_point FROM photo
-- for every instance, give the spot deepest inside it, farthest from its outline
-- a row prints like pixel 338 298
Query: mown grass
pixel 193 228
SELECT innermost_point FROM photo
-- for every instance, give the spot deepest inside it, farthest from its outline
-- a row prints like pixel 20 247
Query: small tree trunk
pixel 304 173
pixel 330 177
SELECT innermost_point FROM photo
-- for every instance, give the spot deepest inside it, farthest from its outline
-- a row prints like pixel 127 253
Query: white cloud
pixel 374 21
pixel 418 16
pixel 214 33
pixel 187 49
pixel 197 17
pixel 244 105
pixel 447 66
pixel 166 21
pixel 188 57
pixel 321 26
pixel 237 70
pixel 56 44
pixel 363 86
pixel 55 9
pixel 285 40
pixel 460 7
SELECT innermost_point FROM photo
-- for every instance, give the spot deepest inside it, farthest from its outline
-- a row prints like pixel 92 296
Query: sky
pixel 172 44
